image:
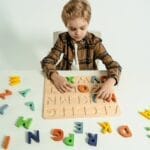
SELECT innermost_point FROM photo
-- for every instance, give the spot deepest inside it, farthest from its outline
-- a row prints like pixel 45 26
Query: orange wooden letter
pixel 6 142
pixel 58 134
pixel 124 131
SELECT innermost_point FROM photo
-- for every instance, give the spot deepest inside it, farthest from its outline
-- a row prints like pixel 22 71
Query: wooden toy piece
pixel 94 97
pixel 103 78
pixel 31 105
pixel 79 127
pixel 2 96
pixel 92 139
pixel 35 137
pixel 14 80
pixel 146 114
pixel 147 128
pixel 83 88
pixel 14 83
pixel 94 80
pixel 6 142
pixel 15 77
pixel 8 92
pixel 113 98
pixel 2 108
pixel 76 104
pixel 148 136
pixel 69 140
pixel 25 92
pixel 58 134
pixel 95 88
pixel 25 123
pixel 71 79
pixel 106 128
pixel 124 131
pixel 94 91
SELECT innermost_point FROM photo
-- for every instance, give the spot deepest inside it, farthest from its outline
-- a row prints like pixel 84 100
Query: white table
pixel 131 92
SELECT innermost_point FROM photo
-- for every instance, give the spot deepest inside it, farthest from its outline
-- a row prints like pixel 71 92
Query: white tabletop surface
pixel 133 96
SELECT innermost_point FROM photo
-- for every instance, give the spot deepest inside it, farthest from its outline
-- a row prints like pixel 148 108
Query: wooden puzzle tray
pixel 76 104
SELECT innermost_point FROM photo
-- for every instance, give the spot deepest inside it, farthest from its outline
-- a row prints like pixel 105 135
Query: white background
pixel 131 97
pixel 26 31
pixel 26 36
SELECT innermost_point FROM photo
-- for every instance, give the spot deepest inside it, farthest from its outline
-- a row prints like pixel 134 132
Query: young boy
pixel 80 49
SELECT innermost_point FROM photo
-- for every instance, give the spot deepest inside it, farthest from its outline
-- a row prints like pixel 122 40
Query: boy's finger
pixel 70 86
pixel 106 96
pixel 99 94
pixel 95 89
pixel 109 98
pixel 60 90
pixel 64 88
pixel 103 95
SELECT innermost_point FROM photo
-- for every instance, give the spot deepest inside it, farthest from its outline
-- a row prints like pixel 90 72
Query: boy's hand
pixel 106 90
pixel 60 83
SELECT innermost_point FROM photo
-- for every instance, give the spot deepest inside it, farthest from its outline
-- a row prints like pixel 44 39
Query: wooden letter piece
pixel 58 134
pixel 124 131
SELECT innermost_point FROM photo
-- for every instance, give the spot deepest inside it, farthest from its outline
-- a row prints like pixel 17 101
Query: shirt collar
pixel 79 42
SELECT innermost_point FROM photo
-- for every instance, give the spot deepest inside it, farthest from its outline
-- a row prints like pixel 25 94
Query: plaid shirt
pixel 89 49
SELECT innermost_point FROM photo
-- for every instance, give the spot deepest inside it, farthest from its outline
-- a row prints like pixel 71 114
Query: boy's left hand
pixel 106 90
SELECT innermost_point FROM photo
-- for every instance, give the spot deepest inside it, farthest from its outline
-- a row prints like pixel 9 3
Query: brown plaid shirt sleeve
pixel 113 67
pixel 89 49
pixel 48 62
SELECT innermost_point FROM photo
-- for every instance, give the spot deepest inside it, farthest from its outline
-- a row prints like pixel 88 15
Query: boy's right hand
pixel 60 83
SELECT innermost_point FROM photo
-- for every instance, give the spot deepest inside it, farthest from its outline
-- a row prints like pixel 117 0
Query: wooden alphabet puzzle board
pixel 75 104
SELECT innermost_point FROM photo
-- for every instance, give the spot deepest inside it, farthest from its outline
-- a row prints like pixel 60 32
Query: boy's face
pixel 77 28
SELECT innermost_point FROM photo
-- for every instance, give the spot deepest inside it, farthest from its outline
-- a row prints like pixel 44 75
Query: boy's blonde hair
pixel 75 9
